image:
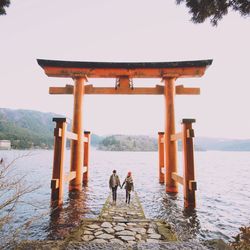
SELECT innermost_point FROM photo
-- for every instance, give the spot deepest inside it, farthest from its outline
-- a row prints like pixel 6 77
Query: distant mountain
pixel 31 129
pixel 95 140
pixel 34 129
pixel 221 144
pixel 26 128
pixel 146 143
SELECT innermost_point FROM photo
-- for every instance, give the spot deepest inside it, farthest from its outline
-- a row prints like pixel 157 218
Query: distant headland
pixel 29 129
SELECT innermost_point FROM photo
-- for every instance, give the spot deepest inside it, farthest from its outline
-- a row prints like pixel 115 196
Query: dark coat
pixel 116 181
pixel 129 184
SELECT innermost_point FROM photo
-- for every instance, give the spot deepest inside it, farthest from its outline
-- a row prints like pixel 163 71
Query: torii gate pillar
pixel 76 162
pixel 170 146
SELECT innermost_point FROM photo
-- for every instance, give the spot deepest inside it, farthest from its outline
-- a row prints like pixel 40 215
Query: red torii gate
pixel 124 73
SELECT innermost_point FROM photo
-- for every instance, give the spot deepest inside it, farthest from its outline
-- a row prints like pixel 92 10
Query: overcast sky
pixel 131 30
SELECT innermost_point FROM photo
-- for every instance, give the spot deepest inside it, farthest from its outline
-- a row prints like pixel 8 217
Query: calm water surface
pixel 223 198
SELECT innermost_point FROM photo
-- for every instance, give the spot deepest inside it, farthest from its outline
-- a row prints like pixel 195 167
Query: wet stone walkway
pixel 124 224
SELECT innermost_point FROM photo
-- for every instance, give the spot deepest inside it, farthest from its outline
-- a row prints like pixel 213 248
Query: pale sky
pixel 127 31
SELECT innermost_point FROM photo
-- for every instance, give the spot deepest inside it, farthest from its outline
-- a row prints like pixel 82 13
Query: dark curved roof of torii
pixel 125 65
pixel 74 69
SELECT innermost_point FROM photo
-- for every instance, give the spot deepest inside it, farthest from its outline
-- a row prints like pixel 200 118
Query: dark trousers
pixel 114 193
pixel 127 196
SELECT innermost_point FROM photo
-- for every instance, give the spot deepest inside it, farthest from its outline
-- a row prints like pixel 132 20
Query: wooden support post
pixel 161 156
pixel 189 185
pixel 76 163
pixel 170 146
pixel 86 157
pixel 58 162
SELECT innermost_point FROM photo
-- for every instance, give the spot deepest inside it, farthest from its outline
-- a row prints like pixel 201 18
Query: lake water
pixel 223 197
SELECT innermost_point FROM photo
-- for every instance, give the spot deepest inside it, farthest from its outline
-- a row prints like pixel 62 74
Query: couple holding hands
pixel 114 182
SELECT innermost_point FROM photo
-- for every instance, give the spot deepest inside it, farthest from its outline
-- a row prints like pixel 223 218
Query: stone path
pixel 122 211
pixel 124 224
pixel 120 226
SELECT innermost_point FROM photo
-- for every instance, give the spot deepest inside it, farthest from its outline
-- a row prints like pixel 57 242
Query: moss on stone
pixel 41 245
pixel 167 233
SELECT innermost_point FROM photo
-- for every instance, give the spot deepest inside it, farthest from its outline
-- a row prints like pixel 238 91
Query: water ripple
pixel 223 199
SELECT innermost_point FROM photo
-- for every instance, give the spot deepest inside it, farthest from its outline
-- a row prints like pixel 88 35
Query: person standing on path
pixel 114 182
pixel 129 186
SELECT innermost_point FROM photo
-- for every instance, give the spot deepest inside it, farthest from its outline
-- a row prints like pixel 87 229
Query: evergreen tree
pixel 215 9
pixel 4 4
pixel 199 9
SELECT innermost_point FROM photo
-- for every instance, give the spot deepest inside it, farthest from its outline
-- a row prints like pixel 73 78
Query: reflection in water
pixel 192 222
pixel 184 221
pixel 64 219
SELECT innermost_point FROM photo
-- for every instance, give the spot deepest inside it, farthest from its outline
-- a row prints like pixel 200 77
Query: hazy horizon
pixel 155 135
